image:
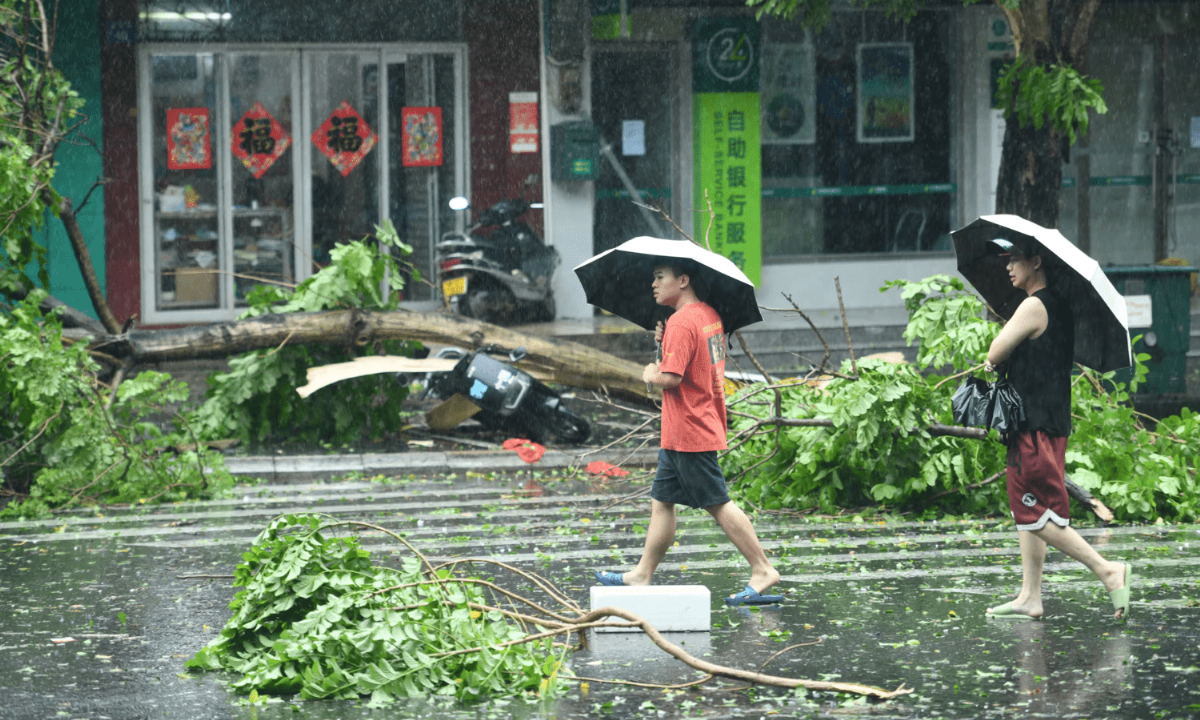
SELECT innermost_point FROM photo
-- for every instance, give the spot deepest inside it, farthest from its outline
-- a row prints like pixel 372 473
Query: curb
pixel 297 468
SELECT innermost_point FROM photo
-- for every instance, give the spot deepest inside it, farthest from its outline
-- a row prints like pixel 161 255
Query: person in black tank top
pixel 1040 369
pixel 1035 349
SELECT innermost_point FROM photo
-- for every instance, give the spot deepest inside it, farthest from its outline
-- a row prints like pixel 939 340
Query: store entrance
pixel 263 161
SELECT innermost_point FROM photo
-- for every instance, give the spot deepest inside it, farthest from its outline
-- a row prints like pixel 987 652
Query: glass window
pixel 857 136
pixel 187 253
pixel 632 86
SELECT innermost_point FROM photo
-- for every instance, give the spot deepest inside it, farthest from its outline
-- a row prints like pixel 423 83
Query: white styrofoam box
pixel 669 608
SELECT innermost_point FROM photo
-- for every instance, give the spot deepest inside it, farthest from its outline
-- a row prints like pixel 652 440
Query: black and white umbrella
pixel 1101 320
pixel 618 280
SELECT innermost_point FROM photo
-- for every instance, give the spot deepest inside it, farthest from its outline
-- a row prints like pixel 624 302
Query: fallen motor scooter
pixel 508 399
pixel 502 278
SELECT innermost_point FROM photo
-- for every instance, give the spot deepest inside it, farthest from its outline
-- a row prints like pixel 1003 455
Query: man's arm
pixel 1029 320
pixel 654 376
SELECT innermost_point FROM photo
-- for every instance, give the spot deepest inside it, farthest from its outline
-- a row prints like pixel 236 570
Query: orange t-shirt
pixel 693 414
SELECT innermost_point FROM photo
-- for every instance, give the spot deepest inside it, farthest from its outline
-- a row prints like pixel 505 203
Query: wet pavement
pixel 102 609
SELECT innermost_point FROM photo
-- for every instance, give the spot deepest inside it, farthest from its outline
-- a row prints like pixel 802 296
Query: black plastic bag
pixel 978 403
pixel 972 403
pixel 1008 412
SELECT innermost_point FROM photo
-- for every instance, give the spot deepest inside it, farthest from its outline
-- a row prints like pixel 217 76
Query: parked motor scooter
pixel 508 398
pixel 500 278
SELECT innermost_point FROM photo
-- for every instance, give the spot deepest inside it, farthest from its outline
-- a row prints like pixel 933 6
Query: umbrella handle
pixel 657 358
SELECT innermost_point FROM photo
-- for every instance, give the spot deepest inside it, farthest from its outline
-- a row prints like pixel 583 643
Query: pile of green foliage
pixel 878 450
pixel 256 400
pixel 66 439
pixel 317 617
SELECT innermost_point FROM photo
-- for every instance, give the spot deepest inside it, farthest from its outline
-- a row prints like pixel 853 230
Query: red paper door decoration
pixel 259 140
pixel 188 146
pixel 523 121
pixel 344 138
pixel 421 136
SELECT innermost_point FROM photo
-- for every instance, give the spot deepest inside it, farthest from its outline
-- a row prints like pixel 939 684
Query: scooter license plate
pixel 454 286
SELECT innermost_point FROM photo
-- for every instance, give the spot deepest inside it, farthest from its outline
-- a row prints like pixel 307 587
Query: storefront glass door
pixel 422 139
pixel 343 112
pixel 231 139
pixel 261 212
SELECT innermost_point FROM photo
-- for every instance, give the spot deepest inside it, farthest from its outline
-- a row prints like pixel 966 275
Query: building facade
pixel 241 140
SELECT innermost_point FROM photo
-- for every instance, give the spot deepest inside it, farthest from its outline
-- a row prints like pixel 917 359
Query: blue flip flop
pixel 750 596
pixel 604 577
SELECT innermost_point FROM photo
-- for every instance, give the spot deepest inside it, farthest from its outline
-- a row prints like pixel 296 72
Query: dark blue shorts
pixel 689 478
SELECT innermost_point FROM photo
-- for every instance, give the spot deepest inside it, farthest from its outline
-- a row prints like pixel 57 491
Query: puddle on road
pixel 907 607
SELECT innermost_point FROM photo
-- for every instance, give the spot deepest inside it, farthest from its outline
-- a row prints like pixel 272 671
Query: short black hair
pixel 686 266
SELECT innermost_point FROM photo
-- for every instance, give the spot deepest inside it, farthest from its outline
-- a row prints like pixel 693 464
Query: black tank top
pixel 1040 369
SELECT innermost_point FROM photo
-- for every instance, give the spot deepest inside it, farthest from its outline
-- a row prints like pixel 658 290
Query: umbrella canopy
pixel 618 280
pixel 1101 321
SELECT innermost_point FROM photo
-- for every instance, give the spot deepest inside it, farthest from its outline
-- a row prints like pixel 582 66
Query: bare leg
pixel 741 533
pixel 659 537
pixel 1072 544
pixel 1033 558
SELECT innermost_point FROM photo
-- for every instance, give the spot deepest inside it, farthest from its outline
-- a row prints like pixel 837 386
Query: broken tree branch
pixel 845 324
pixel 753 360
pixel 807 319
pixel 83 259
pixel 549 359
pixel 935 430
pixel 732 673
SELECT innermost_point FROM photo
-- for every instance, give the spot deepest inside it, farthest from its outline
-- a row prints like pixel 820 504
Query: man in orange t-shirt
pixel 692 374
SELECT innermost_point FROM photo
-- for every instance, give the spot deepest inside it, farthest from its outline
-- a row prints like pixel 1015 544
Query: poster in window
pixel 421 136
pixel 885 92
pixel 258 140
pixel 188 144
pixel 345 138
pixel 789 96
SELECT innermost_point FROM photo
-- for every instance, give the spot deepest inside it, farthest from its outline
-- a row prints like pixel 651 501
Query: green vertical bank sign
pixel 727 149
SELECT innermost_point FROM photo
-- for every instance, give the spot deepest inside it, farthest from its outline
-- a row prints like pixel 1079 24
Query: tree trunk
pixel 1045 32
pixel 1030 182
pixel 548 358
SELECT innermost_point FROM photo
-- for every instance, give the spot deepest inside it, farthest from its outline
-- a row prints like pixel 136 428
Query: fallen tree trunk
pixel 548 359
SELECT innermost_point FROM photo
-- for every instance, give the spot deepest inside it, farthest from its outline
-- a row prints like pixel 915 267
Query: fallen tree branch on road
pixel 329 622
pixel 715 670
pixel 959 431
pixel 549 359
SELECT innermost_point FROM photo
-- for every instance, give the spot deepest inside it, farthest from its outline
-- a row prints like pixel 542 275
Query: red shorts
pixel 1036 489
